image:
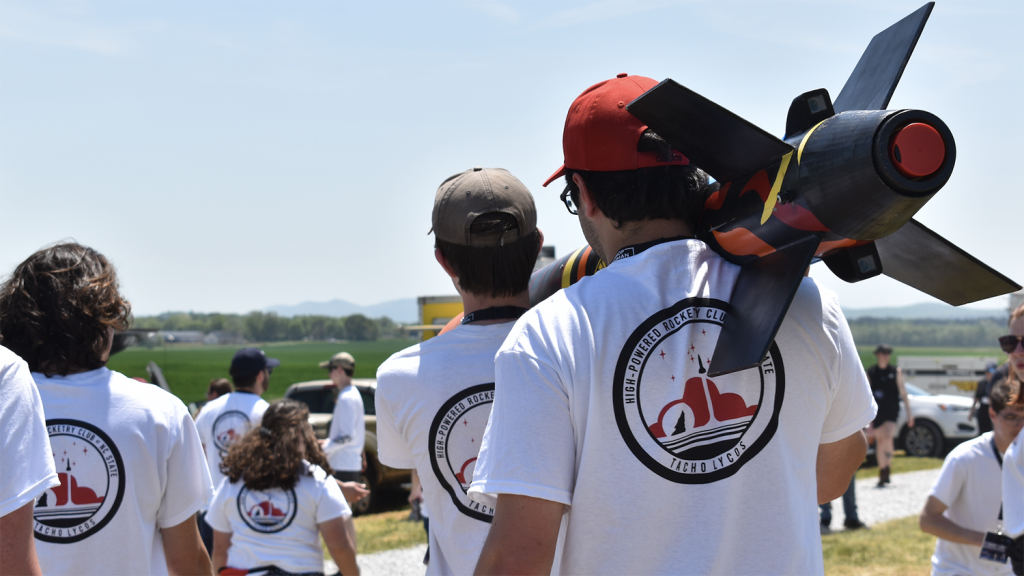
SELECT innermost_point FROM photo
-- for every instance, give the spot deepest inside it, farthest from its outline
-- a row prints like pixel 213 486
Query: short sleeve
pixel 332 502
pixel 529 446
pixel 217 515
pixel 852 405
pixel 189 486
pixel 950 482
pixel 25 456
pixel 392 448
pixel 1013 487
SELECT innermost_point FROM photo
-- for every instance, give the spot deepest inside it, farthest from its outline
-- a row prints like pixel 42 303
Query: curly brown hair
pixel 270 456
pixel 57 307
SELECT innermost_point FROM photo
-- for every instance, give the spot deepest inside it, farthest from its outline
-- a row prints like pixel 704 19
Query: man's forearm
pixel 939 525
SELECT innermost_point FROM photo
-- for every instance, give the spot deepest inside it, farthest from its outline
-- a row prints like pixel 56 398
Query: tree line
pixel 966 333
pixel 269 327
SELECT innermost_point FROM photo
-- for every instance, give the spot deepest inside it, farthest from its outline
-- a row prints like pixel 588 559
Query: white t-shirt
pixel 344 447
pixel 223 421
pixel 277 526
pixel 26 462
pixel 433 401
pixel 1013 487
pixel 129 461
pixel 969 485
pixel 603 403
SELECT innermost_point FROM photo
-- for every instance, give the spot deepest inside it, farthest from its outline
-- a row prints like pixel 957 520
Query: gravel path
pixel 904 497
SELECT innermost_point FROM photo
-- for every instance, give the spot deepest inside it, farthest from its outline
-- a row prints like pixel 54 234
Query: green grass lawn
pixel 894 548
pixel 189 368
pixel 900 463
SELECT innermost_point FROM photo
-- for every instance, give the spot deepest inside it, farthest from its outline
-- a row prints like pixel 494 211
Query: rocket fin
pixel 922 259
pixel 713 138
pixel 760 299
pixel 880 67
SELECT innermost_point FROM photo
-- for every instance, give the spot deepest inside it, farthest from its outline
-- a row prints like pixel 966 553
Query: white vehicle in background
pixel 940 423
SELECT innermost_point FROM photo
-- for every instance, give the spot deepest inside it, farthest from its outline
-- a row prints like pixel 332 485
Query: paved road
pixel 904 497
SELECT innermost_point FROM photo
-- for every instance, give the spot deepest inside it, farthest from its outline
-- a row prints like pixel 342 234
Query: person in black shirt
pixel 887 386
pixel 979 407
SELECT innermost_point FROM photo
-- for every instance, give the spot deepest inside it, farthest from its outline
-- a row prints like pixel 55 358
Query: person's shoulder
pixel 315 472
pixel 215 405
pixel 406 359
pixel 158 403
pixel 14 371
pixel 970 449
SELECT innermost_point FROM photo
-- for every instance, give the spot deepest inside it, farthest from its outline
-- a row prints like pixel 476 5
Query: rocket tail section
pixel 922 259
pixel 880 67
pixel 760 299
pixel 718 141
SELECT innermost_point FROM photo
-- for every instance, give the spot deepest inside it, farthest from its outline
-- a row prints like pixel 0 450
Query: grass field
pixel 894 548
pixel 867 353
pixel 189 368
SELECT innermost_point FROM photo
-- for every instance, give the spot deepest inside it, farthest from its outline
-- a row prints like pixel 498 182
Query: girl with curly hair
pixel 129 461
pixel 278 496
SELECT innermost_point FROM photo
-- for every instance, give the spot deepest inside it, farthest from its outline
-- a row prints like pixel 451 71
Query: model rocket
pixel 841 186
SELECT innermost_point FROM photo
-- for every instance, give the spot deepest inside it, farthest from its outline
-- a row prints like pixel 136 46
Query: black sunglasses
pixel 566 199
pixel 1009 342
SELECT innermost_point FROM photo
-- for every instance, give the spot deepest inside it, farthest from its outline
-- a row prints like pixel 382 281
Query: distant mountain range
pixel 403 311
pixel 406 312
pixel 934 311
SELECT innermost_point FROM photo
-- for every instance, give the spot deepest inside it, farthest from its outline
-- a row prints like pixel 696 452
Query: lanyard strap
pixel 638 248
pixel 999 458
pixel 495 313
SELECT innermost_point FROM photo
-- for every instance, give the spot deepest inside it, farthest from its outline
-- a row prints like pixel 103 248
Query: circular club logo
pixel 455 439
pixel 682 424
pixel 228 428
pixel 267 511
pixel 91 475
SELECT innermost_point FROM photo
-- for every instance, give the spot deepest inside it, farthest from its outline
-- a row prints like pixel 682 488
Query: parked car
pixel 320 396
pixel 940 423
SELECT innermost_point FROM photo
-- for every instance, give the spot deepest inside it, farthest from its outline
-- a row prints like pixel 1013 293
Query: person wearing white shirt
pixel 344 444
pixel 129 461
pixel 26 461
pixel 966 500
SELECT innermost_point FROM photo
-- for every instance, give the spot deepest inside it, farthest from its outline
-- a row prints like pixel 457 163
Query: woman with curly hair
pixel 278 495
pixel 129 461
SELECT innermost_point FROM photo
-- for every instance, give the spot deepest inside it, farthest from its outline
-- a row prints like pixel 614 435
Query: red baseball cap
pixel 601 136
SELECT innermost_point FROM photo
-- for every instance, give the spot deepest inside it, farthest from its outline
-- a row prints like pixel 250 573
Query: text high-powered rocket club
pixel 842 186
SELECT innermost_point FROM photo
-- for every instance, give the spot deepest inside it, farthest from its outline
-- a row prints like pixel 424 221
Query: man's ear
pixel 444 263
pixel 540 245
pixel 588 208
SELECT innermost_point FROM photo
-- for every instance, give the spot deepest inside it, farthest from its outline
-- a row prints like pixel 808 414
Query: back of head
pixel 485 225
pixel 271 456
pixel 1005 392
pixel 219 387
pixel 57 307
pixel 633 173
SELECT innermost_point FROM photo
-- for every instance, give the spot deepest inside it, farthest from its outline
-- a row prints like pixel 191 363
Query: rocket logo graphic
pixel 228 428
pixel 683 425
pixel 267 511
pixel 455 437
pixel 91 475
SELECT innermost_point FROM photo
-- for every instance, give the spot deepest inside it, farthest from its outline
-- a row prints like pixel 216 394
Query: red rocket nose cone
pixel 917 150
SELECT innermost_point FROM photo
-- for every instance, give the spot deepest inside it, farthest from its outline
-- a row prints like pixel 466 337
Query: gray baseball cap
pixel 465 196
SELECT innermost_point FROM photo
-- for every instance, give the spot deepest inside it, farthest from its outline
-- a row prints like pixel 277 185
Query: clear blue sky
pixel 228 156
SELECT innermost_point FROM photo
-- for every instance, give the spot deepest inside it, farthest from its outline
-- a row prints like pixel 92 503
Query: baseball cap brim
pixel 273 362
pixel 325 363
pixel 558 174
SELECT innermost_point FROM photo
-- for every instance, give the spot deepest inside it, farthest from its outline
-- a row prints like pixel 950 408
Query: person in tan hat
pixel 344 445
pixel 433 399
pixel 607 382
